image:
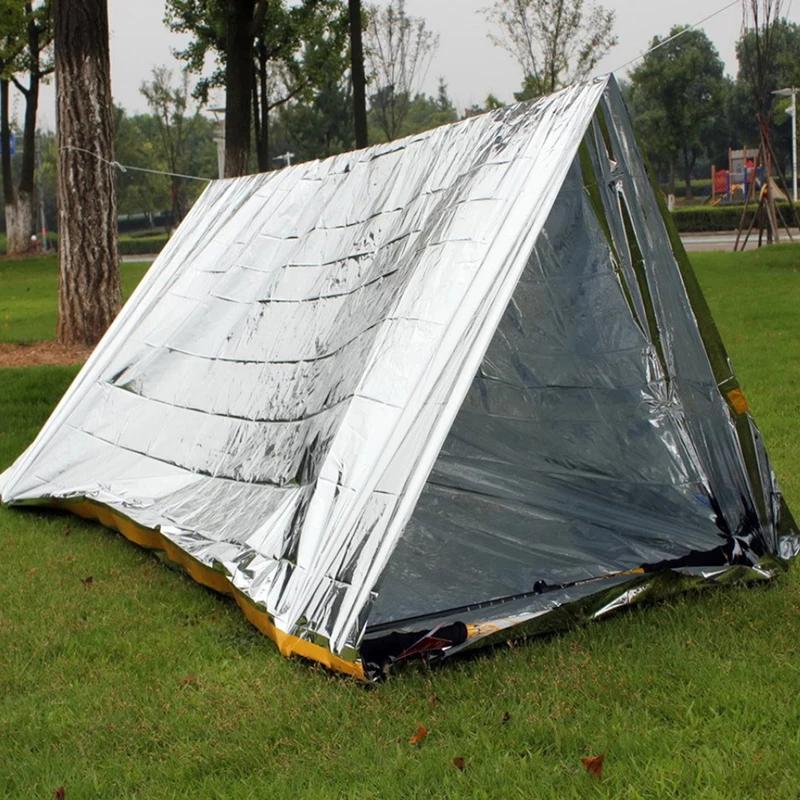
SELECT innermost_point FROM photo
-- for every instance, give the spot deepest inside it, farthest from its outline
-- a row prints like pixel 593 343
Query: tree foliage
pixel 139 142
pixel 758 50
pixel 424 112
pixel 12 35
pixel 168 104
pixel 758 76
pixel 399 51
pixel 321 127
pixel 555 42
pixel 297 49
pixel 678 97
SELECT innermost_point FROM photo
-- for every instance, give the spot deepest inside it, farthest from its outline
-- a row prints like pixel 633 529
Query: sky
pixel 470 64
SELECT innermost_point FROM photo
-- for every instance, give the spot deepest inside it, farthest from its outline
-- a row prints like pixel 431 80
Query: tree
pixel 491 103
pixel 399 51
pixel 678 97
pixel 319 128
pixel 290 50
pixel 301 50
pixel 139 142
pixel 759 51
pixel 89 290
pixel 357 73
pixel 777 68
pixel 11 26
pixel 226 28
pixel 555 42
pixel 427 112
pixel 168 104
pixel 24 50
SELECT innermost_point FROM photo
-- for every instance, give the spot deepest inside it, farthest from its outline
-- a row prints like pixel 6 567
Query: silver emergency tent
pixel 439 392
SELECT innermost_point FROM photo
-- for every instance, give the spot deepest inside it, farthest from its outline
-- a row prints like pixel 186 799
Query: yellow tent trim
pixel 154 540
pixel 738 401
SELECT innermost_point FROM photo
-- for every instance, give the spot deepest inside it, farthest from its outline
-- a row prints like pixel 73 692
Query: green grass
pixel 695 698
pixel 28 292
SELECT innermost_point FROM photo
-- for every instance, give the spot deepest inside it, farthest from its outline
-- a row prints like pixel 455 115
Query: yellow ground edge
pixel 152 539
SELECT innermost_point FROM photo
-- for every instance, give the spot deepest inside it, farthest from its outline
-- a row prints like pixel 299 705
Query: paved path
pixel 700 242
pixel 137 259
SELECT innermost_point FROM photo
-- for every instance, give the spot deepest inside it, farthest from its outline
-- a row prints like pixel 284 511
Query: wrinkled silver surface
pixel 277 392
pixel 583 449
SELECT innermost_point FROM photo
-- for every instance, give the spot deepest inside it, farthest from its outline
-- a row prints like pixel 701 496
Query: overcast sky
pixel 471 65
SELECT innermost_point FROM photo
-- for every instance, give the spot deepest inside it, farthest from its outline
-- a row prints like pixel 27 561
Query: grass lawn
pixel 141 684
pixel 29 292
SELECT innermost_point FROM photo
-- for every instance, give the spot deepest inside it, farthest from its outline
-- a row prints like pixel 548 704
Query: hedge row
pixel 128 245
pixel 141 245
pixel 690 219
pixel 701 187
pixel 709 219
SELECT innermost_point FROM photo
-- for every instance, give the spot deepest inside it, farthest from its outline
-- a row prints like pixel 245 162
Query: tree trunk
pixel 9 195
pixel 238 85
pixel 357 74
pixel 31 108
pixel 20 223
pixel 256 118
pixel 89 291
pixel 20 205
pixel 261 109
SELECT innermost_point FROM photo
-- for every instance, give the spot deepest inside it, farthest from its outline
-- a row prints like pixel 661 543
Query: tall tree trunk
pixel 9 193
pixel 31 108
pixel 21 214
pixel 5 142
pixel 256 117
pixel 238 85
pixel 20 223
pixel 261 109
pixel 357 73
pixel 20 203
pixel 89 291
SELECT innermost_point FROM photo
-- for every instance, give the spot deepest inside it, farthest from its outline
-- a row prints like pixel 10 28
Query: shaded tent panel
pixel 413 399
pixel 567 460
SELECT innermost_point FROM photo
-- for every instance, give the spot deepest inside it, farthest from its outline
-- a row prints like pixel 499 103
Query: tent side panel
pixel 604 436
pixel 567 460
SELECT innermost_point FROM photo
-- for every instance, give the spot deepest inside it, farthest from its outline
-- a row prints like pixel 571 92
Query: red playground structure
pixel 732 185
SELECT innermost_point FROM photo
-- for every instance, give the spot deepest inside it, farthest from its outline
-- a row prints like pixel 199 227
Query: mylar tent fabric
pixel 419 397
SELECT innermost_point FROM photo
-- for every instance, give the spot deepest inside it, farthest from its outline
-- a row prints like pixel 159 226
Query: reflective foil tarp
pixel 413 398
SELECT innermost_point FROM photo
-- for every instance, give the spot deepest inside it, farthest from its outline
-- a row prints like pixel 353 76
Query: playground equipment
pixel 742 178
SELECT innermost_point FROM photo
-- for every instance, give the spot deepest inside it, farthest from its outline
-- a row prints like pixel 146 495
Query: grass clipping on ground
pixel 121 678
